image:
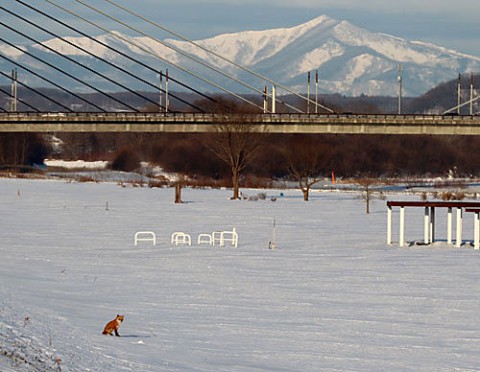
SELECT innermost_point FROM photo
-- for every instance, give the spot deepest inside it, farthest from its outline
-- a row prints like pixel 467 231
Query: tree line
pixel 347 155
pixel 236 153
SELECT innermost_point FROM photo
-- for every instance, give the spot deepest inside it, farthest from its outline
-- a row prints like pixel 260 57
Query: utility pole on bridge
pixel 471 93
pixel 400 88
pixel 459 94
pixel 160 97
pixel 14 99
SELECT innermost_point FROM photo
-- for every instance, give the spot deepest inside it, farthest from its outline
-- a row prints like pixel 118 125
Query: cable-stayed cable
pixel 39 93
pixel 73 45
pixel 214 54
pixel 64 72
pixel 157 56
pixel 123 55
pixel 77 63
pixel 44 78
pixel 18 99
pixel 187 55
pixel 179 51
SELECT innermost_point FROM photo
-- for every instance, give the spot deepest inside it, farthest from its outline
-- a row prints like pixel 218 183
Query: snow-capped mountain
pixel 350 60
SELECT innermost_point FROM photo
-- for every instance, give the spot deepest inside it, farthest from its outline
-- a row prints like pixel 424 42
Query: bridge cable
pixel 189 56
pixel 157 56
pixel 79 64
pixel 44 78
pixel 129 58
pixel 19 100
pixel 462 105
pixel 38 92
pixel 122 54
pixel 217 55
pixel 71 60
pixel 76 46
pixel 179 51
pixel 60 70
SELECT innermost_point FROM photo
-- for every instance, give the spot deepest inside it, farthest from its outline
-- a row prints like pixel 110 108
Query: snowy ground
pixel 332 297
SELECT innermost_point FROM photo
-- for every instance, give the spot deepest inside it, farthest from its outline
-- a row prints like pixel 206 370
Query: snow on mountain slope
pixel 391 47
pixel 250 47
pixel 350 60
pixel 319 56
pixel 10 51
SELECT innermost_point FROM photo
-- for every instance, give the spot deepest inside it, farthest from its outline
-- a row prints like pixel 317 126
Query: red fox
pixel 113 326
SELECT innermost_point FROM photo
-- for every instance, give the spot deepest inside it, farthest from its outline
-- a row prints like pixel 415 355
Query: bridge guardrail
pixel 199 116
pixel 202 122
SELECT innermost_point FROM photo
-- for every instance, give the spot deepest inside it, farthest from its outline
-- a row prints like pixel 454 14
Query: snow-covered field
pixel 332 296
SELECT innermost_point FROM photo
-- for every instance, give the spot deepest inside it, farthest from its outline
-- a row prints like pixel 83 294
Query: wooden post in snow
pixel 178 192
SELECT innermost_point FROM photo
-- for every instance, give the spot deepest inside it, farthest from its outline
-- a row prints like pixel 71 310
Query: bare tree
pixel 22 149
pixel 368 186
pixel 305 163
pixel 235 141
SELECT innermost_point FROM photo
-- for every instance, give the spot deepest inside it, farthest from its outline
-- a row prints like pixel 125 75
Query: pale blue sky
pixel 452 24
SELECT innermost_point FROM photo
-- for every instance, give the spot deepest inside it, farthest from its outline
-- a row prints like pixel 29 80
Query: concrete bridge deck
pixel 274 123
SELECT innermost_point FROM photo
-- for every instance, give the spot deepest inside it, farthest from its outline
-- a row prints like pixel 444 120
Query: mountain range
pixel 349 60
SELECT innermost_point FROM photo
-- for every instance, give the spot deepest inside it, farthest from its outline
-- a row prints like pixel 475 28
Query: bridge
pixel 95 117
pixel 271 123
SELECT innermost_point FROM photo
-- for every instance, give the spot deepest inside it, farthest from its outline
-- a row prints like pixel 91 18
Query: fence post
pixel 476 238
pixel 459 227
pixel 426 222
pixel 389 225
pixel 402 226
pixel 449 226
